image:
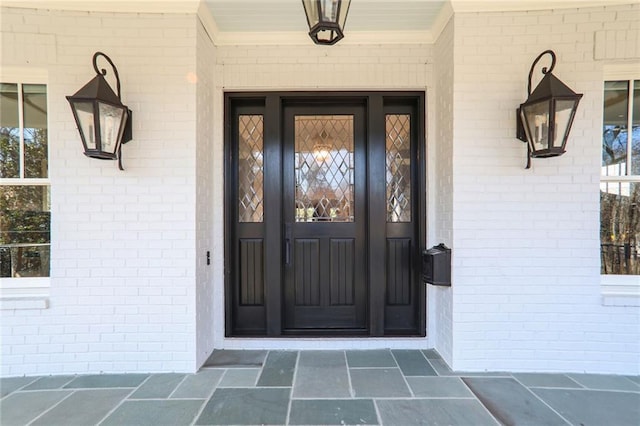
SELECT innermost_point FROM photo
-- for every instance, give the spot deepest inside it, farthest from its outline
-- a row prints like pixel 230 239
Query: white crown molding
pixel 209 23
pixel 442 20
pixel 123 6
pixel 460 6
pixel 294 38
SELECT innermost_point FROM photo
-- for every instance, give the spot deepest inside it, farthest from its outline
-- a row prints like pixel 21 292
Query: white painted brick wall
pixel 320 67
pixel 123 243
pixel 130 290
pixel 205 170
pixel 441 195
pixel 311 67
pixel 526 242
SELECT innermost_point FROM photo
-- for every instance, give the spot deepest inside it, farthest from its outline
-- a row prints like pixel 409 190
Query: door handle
pixel 287 244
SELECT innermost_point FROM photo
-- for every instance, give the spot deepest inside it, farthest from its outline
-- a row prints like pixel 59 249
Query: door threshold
pixel 324 343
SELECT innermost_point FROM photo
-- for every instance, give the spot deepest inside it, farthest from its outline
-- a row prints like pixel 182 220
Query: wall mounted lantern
pixel 326 19
pixel 545 119
pixel 103 121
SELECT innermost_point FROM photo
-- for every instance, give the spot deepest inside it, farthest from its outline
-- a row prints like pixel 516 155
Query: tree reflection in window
pixel 620 183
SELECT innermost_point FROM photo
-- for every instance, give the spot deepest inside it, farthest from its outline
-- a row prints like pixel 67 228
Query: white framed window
pixel 25 204
pixel 620 186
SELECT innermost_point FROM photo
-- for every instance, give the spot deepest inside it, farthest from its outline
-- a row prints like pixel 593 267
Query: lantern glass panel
pixel 329 10
pixel 311 9
pixel 111 121
pixel 537 125
pixel 564 114
pixel 343 13
pixel 84 113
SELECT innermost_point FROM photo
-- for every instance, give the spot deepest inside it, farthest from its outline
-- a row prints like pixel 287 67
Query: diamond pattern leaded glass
pixel 250 168
pixel 398 153
pixel 324 168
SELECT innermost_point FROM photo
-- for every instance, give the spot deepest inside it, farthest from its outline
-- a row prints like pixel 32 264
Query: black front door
pixel 324 211
pixel 324 214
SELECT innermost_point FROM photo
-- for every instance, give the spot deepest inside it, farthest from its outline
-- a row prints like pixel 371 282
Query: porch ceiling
pixel 231 22
pixel 368 21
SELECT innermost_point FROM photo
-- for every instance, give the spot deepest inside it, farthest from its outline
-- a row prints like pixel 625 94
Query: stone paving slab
pixel 379 383
pixel 83 407
pixel 236 359
pixel 546 380
pixel 155 413
pixel 240 406
pixel 373 358
pixel 434 412
pixel 333 412
pixel 592 407
pixel 158 386
pixel 322 374
pixel 20 408
pixel 439 387
pixel 604 382
pixel 413 363
pixel 511 403
pixel 49 382
pixel 107 381
pixel 322 387
pixel 199 385
pixel 240 378
pixel 12 384
pixel 278 369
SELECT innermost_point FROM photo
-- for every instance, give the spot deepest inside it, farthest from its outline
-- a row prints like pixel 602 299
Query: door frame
pixel 266 321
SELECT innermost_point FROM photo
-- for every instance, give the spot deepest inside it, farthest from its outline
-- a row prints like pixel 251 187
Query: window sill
pixel 24 293
pixel 14 303
pixel 620 290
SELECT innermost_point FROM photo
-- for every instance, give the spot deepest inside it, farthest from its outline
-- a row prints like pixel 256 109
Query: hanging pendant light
pixel 326 19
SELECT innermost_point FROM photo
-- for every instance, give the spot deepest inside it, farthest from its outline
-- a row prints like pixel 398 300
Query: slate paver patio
pixel 386 387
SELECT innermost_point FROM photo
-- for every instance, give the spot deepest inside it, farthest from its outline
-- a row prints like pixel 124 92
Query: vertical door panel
pixel 251 272
pixel 342 271
pixel 399 271
pixel 307 272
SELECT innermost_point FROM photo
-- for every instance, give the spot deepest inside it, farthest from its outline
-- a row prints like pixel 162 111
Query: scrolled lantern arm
pixel 544 69
pixel 104 72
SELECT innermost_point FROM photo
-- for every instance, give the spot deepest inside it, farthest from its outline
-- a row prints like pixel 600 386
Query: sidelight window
pixel 398 155
pixel 250 168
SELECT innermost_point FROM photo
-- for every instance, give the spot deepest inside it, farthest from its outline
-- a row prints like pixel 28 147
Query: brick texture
pixel 526 242
pixel 123 243
pixel 130 287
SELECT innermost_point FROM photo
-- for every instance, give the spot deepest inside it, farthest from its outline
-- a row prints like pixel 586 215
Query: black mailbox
pixel 436 265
